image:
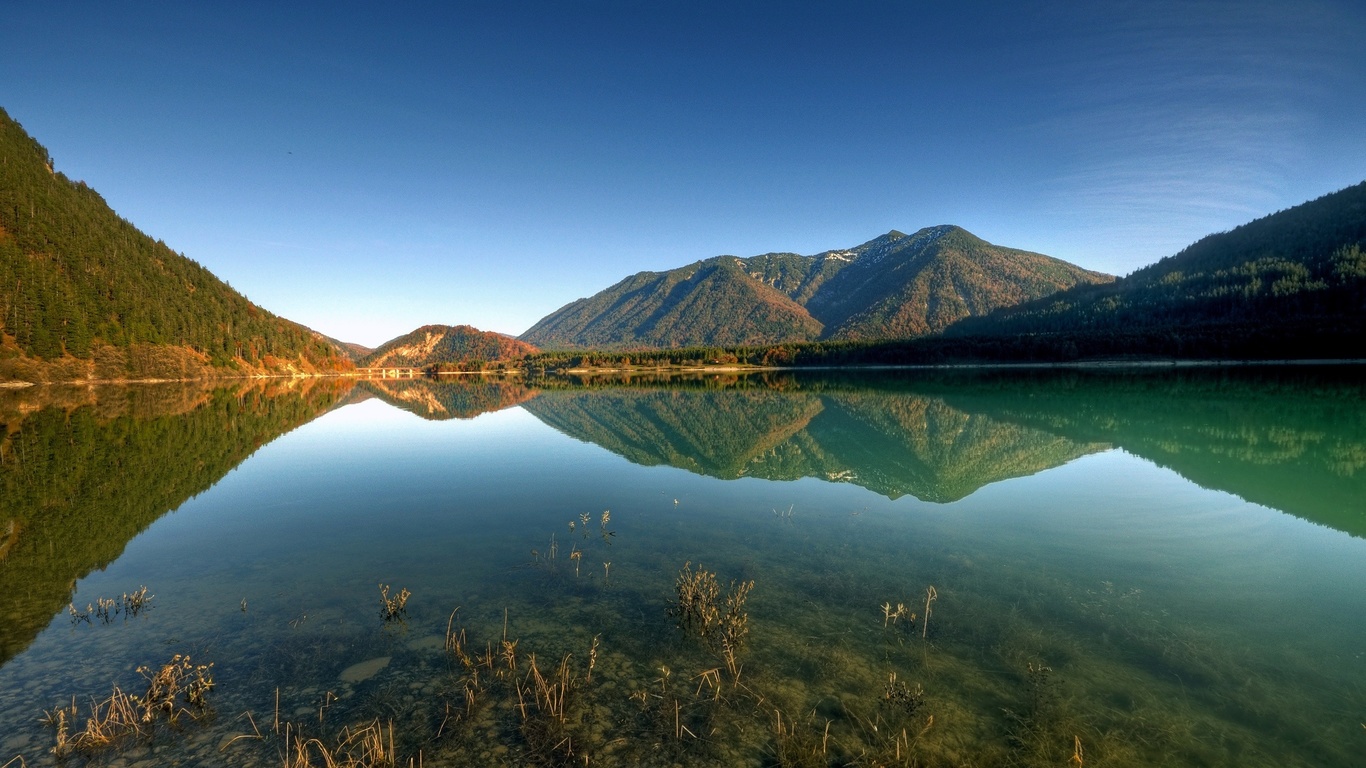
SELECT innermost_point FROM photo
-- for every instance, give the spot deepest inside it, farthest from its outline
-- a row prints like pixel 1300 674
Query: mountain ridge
pixel 892 286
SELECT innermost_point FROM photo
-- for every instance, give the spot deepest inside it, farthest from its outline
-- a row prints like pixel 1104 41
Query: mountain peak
pixel 893 286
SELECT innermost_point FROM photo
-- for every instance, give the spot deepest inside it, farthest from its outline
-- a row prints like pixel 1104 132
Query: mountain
pixel 353 351
pixel 913 286
pixel 444 344
pixel 1290 284
pixel 712 302
pixel 894 286
pixel 84 294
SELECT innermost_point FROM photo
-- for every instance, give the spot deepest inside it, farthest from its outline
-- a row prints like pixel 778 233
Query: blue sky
pixel 365 168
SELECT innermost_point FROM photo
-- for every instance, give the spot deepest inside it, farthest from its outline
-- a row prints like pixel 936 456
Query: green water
pixel 1131 568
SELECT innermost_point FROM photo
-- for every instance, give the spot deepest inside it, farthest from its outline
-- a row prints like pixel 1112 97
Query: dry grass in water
pixel 106 609
pixel 367 746
pixel 177 688
pixel 393 608
pixel 723 625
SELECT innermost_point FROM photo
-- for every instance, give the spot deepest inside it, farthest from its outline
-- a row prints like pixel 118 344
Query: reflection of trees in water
pixel 902 444
pixel 84 470
pixel 438 400
pixel 720 433
pixel 1293 439
pixel 891 443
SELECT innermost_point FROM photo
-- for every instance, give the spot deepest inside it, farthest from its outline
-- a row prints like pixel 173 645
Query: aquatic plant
pixel 1035 734
pixel 135 602
pixel 902 696
pixel 722 625
pixel 393 608
pixel 892 616
pixel 367 746
pixel 931 594
pixel 176 688
pixel 106 608
pixel 795 744
pixel 696 606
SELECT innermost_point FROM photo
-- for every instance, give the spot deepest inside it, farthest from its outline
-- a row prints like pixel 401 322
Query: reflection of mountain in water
pixel 891 443
pixel 89 469
pixel 903 443
pixel 1291 439
pixel 440 400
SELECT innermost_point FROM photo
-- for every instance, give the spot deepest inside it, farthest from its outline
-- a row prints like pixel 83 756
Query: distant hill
pixel 356 352
pixel 894 286
pixel 1290 284
pixel 444 344
pixel 84 294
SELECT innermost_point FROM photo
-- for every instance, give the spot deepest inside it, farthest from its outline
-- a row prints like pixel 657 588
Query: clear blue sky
pixel 365 168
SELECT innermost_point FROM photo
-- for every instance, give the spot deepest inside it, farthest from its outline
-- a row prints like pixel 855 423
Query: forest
pixel 76 279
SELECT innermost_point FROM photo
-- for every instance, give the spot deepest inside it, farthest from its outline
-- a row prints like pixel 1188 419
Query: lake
pixel 1084 567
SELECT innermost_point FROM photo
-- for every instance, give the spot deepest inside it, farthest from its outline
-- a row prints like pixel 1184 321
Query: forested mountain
pixel 894 286
pixel 438 345
pixel 918 285
pixel 710 302
pixel 84 294
pixel 1290 284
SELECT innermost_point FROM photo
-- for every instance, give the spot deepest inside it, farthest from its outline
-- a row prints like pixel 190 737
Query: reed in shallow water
pixel 393 608
pixel 175 689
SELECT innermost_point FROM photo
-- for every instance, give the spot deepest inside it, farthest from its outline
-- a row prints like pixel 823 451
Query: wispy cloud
pixel 1180 119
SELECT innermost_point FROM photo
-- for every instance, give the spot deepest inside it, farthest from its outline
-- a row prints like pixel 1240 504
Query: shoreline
pixel 731 369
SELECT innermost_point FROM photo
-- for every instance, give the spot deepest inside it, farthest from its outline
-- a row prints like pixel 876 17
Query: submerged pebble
pixel 364 670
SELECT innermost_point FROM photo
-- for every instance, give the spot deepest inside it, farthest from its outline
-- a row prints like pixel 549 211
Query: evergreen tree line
pixel 74 274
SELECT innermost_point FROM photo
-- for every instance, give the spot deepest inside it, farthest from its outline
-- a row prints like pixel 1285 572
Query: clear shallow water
pixel 1088 592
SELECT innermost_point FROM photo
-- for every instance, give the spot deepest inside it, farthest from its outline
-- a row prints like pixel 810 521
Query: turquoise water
pixel 1094 601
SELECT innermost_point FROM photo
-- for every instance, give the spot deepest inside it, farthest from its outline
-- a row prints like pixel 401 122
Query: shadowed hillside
pixel 1292 284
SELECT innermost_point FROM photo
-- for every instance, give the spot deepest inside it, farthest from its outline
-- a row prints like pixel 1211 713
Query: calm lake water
pixel 1127 569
